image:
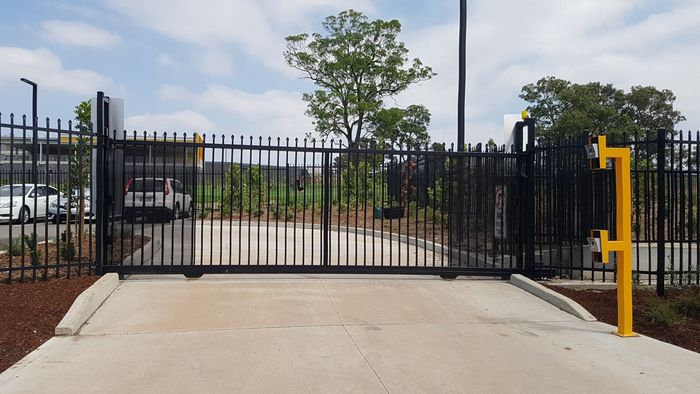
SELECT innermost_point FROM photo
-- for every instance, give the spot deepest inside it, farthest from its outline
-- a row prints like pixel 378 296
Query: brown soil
pixel 603 305
pixel 29 313
pixel 56 266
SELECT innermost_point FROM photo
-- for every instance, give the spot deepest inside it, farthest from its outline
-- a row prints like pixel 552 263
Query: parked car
pixel 156 198
pixel 24 202
pixel 59 209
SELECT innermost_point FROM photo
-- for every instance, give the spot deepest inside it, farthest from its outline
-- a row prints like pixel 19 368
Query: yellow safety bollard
pixel 598 154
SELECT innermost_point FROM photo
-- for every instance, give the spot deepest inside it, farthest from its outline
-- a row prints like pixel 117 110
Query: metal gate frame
pixel 517 165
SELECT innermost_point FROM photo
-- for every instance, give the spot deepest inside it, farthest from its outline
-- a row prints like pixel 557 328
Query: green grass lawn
pixel 278 194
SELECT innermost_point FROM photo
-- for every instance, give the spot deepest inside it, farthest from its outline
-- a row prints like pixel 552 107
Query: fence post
pixel 530 198
pixel 661 213
pixel 326 207
pixel 100 197
pixel 521 173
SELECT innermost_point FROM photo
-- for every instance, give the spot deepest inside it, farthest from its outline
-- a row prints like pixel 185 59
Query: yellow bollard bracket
pixel 599 157
pixel 598 244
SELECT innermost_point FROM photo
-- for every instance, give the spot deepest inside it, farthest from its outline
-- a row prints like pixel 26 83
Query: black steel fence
pixel 174 203
pixel 44 185
pixel 571 200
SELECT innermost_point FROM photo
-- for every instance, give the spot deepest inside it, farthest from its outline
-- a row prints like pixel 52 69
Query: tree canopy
pixel 407 127
pixel 564 109
pixel 356 64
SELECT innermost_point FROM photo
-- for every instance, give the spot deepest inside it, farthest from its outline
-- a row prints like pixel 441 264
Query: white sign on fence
pixel 500 224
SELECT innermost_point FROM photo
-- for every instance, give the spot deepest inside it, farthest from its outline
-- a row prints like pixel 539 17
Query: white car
pixel 59 210
pixel 156 198
pixel 24 202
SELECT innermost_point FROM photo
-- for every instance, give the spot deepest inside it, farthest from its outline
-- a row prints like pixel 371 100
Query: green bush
pixel 34 252
pixel 203 213
pixel 254 191
pixel 436 203
pixel 688 304
pixel 358 186
pixel 67 247
pixel 17 247
pixel 243 192
pixel 231 201
pixel 661 311
pixel 279 213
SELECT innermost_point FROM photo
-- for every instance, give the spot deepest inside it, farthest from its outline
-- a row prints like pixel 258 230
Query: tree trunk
pixel 81 213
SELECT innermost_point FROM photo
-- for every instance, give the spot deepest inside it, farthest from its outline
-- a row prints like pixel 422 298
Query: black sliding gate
pixel 193 205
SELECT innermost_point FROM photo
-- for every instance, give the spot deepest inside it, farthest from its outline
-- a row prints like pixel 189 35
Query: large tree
pixel 651 108
pixel 564 109
pixel 407 127
pixel 356 64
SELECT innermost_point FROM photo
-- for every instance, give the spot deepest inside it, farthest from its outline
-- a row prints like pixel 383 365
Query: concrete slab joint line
pixel 87 304
pixel 564 303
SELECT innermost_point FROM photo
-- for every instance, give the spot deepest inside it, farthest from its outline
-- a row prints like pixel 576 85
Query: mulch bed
pixel 55 266
pixel 29 313
pixel 603 305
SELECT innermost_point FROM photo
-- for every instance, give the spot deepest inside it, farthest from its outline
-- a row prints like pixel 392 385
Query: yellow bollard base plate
pixel 632 335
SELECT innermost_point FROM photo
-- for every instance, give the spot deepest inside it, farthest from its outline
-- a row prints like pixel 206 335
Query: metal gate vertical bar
pixel 530 198
pixel 101 190
pixel 661 214
pixel 326 207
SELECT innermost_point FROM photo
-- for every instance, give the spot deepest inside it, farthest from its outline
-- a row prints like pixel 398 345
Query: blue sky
pixel 216 66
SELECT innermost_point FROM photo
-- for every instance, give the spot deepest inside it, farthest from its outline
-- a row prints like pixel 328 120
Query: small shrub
pixel 17 247
pixel 278 213
pixel 67 247
pixel 688 304
pixel 691 277
pixel 662 312
pixel 636 281
pixel 232 199
pixel 254 191
pixel 203 214
pixel 34 252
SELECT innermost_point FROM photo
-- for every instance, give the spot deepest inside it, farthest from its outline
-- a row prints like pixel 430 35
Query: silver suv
pixel 160 199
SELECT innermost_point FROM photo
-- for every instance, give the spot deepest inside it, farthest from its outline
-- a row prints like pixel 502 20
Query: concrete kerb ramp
pixel 86 304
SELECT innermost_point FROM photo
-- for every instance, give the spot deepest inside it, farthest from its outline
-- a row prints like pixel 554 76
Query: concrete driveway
pixel 344 334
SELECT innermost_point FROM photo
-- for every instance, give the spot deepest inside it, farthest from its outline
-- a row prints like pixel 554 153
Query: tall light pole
pixel 35 121
pixel 460 120
pixel 35 137
pixel 462 73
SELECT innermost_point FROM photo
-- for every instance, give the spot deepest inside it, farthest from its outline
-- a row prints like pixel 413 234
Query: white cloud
pixel 510 45
pixel 73 33
pixel 45 68
pixel 271 113
pixel 215 63
pixel 176 122
pixel 257 27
